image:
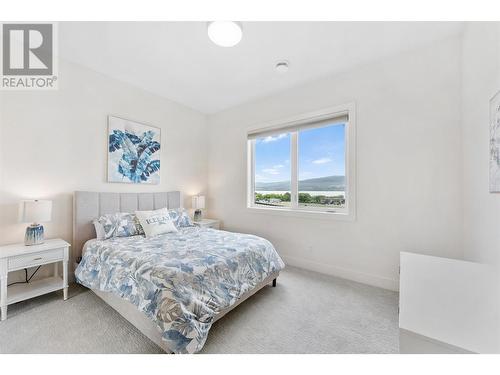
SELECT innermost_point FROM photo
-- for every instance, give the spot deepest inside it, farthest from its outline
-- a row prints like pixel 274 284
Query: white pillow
pixel 99 230
pixel 156 222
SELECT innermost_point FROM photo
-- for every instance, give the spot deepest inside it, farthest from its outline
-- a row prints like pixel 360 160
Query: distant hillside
pixel 330 183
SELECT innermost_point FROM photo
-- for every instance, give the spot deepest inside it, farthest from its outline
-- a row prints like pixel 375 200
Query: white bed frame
pixel 90 205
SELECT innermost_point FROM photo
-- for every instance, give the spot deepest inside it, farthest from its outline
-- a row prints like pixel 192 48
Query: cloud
pixel 322 161
pixel 270 171
pixel 274 138
pixel 278 166
pixel 260 178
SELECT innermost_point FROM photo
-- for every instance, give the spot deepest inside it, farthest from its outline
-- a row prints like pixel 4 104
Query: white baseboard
pixel 345 273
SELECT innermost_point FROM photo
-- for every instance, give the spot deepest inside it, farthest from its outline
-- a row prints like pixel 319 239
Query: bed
pixel 172 287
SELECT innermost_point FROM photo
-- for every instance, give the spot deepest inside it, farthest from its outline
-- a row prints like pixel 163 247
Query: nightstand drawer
pixel 35 259
pixel 208 223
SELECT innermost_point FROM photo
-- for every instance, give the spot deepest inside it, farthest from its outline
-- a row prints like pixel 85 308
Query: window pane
pixel 272 171
pixel 321 169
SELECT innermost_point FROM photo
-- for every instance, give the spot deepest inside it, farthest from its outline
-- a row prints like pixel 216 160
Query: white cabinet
pixel 208 223
pixel 19 256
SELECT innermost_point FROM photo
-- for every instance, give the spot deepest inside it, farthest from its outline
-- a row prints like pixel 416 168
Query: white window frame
pixel 349 212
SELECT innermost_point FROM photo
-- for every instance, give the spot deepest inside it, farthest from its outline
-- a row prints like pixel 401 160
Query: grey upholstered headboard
pixel 90 205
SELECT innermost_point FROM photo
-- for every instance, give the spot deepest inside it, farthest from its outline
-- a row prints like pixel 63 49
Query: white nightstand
pixel 208 223
pixel 18 256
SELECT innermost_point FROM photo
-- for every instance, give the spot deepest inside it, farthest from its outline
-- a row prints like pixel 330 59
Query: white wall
pixel 53 143
pixel 410 183
pixel 409 194
pixel 480 81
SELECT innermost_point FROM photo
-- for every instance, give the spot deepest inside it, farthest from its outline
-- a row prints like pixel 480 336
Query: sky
pixel 321 154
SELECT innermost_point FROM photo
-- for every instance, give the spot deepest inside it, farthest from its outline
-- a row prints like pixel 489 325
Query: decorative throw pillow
pixel 156 222
pixel 99 230
pixel 180 217
pixel 120 224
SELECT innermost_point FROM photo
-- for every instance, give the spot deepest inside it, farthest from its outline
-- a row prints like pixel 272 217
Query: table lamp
pixel 34 212
pixel 198 205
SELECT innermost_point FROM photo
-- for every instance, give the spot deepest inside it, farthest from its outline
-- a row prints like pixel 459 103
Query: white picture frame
pixel 495 143
pixel 133 152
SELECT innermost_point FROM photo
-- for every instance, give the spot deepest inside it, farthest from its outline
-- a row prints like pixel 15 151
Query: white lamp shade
pixel 35 211
pixel 198 202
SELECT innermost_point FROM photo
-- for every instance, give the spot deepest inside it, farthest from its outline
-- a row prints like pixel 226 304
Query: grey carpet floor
pixel 306 313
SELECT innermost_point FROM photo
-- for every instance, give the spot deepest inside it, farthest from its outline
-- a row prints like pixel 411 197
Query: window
pixel 304 165
pixel 272 171
pixel 321 167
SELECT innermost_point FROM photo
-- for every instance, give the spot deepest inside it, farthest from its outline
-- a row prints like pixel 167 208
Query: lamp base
pixel 34 235
pixel 197 215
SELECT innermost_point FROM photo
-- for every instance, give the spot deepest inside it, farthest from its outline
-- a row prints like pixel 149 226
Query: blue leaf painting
pixel 134 152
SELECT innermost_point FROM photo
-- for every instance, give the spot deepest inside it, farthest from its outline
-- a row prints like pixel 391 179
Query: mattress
pixel 182 280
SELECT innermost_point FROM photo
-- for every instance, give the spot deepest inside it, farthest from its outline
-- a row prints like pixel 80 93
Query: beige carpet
pixel 306 313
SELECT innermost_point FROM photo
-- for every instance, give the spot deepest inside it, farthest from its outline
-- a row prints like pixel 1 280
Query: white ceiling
pixel 177 60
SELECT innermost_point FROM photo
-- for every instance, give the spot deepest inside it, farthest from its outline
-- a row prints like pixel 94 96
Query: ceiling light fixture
pixel 224 33
pixel 282 66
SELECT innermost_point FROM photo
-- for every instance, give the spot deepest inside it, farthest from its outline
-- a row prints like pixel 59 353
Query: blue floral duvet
pixel 180 280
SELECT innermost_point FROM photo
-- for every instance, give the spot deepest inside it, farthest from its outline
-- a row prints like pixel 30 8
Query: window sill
pixel 302 213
